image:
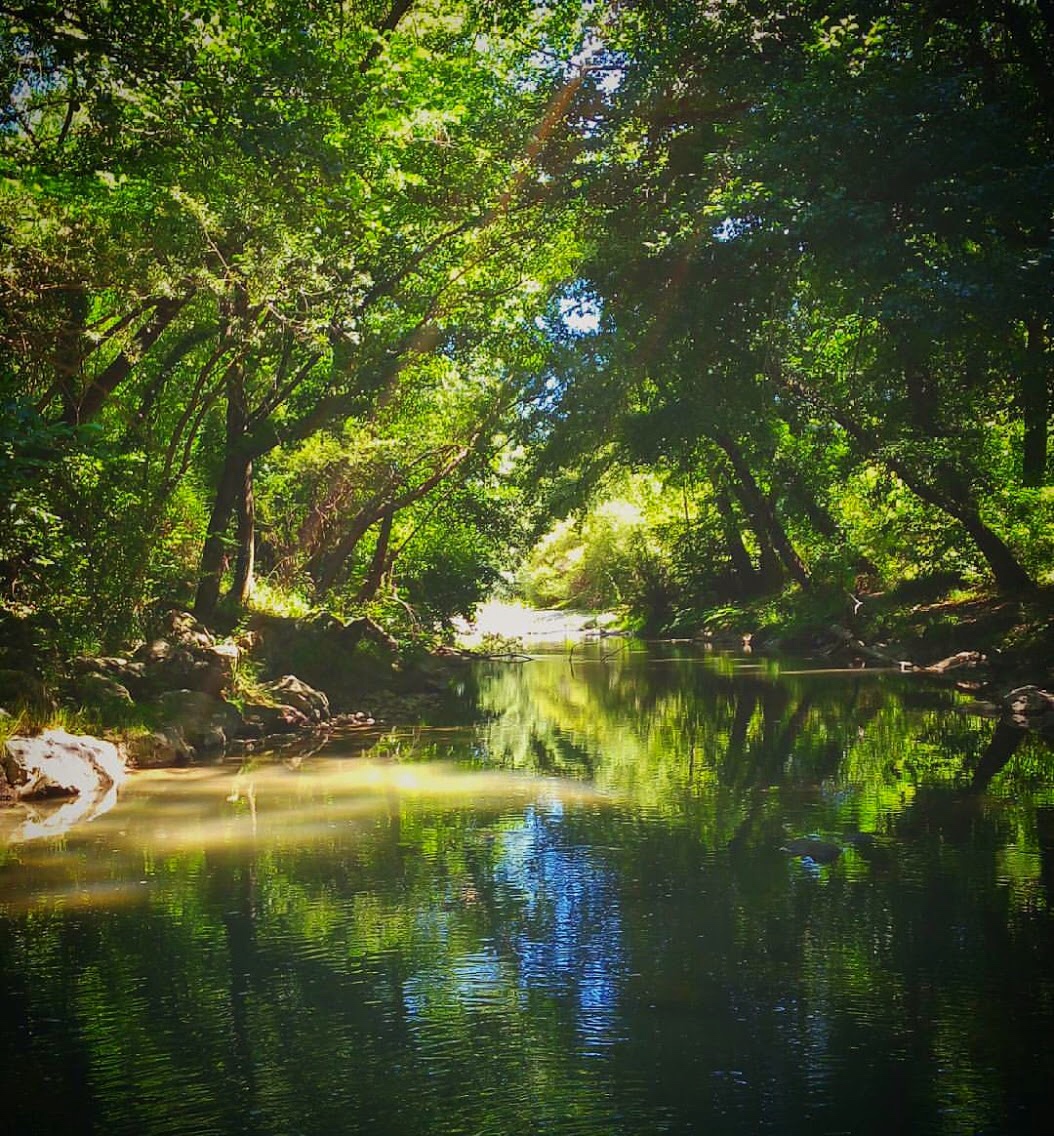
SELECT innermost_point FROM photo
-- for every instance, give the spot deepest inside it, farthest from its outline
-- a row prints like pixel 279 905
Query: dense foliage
pixel 357 298
pixel 821 273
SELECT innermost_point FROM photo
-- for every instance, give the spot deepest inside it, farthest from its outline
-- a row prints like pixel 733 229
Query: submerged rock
pixel 812 848
pixel 961 661
pixel 166 746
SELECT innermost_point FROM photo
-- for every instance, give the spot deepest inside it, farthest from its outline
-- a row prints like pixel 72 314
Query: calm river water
pixel 562 908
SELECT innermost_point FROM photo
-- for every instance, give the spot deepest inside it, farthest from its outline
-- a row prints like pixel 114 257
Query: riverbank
pixel 188 694
pixel 915 625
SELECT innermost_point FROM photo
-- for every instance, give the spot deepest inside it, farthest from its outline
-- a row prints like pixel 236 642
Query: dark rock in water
pixel 812 848
pixel 163 747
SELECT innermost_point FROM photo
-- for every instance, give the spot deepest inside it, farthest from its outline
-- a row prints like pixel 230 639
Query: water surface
pixel 562 908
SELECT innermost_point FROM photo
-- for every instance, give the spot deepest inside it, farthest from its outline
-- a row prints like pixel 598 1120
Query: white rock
pixel 60 762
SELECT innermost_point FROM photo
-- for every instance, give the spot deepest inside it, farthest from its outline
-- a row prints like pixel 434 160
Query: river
pixel 565 906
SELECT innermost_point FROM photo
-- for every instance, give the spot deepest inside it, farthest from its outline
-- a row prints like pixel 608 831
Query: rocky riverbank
pixel 186 695
pixel 997 649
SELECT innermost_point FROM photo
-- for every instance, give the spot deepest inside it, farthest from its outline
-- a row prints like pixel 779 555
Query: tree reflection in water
pixel 567 911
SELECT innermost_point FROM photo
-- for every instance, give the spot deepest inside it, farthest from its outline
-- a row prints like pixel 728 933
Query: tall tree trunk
pixel 214 552
pixel 763 511
pixel 235 479
pixel 1035 406
pixel 380 558
pixel 242 587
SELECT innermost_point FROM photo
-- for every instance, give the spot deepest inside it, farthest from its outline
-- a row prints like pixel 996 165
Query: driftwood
pixel 471 655
pixel 847 639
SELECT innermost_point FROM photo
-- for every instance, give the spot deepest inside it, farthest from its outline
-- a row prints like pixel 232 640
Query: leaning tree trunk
pixel 956 501
pixel 327 567
pixel 379 563
pixel 769 574
pixel 742 566
pixel 763 511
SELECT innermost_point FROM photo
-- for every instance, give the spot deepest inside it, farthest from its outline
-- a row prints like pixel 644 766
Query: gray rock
pixel 97 689
pixel 127 673
pixel 291 691
pixel 60 764
pixel 184 629
pixel 167 665
pixel 263 720
pixel 166 746
pixel 204 722
pixel 215 667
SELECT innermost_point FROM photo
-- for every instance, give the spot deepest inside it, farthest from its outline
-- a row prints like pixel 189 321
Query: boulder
pixel 181 627
pixel 126 672
pixel 216 667
pixel 291 691
pixel 168 665
pixel 163 747
pixel 203 721
pixel 262 720
pixel 60 764
pixel 97 689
